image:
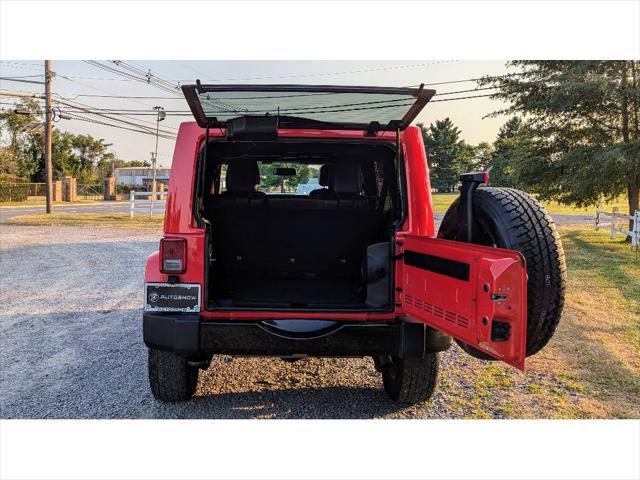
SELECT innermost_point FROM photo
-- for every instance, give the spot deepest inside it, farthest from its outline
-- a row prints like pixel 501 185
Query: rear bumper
pixel 190 335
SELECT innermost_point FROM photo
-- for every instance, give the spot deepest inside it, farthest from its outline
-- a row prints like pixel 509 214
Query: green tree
pixel 483 155
pixel 18 133
pixel 582 121
pixel 22 148
pixel 87 154
pixel 269 180
pixel 447 154
pixel 511 150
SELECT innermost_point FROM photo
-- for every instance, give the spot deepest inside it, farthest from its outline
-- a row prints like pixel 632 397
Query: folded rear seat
pixel 291 236
pixel 239 220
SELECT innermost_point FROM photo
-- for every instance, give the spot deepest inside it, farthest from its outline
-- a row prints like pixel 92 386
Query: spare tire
pixel 512 219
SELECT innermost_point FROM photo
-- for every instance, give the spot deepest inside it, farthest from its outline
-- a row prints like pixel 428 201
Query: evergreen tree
pixel 511 148
pixel 448 156
pixel 582 119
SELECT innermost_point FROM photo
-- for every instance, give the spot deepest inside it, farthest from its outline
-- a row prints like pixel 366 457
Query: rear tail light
pixel 173 255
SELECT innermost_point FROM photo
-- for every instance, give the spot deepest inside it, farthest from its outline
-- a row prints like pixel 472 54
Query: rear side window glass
pixel 277 178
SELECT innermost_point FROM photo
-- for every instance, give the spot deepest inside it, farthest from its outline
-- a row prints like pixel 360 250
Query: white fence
pixel 146 202
pixel 614 228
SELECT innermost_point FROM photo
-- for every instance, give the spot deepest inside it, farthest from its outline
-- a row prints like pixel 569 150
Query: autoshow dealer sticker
pixel 166 297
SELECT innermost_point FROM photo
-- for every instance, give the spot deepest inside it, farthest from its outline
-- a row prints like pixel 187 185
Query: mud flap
pixel 476 294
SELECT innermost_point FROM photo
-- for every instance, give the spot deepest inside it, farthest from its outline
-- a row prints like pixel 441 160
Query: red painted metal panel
pixel 419 219
pixel 437 294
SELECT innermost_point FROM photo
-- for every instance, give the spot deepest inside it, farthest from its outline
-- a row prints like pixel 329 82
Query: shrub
pixel 14 192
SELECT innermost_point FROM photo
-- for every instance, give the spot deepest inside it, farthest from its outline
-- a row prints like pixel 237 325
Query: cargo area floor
pixel 290 294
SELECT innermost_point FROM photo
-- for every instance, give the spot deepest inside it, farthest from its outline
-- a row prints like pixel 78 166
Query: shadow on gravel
pixel 92 363
pixel 336 402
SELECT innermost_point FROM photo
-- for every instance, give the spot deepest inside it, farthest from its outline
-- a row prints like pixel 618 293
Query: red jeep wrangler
pixel 299 223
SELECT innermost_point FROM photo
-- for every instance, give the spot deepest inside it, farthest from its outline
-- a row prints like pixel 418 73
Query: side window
pixel 379 173
pixel 223 178
pixel 384 185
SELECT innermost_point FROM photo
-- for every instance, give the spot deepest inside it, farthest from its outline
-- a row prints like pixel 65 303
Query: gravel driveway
pixel 71 346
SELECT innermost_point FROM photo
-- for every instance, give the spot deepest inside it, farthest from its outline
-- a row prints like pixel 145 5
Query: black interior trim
pixel 252 298
pixel 443 266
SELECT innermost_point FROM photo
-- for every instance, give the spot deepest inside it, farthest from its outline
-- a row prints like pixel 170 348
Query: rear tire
pixel 410 380
pixel 512 219
pixel 170 376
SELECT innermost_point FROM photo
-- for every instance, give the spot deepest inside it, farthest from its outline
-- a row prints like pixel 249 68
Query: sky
pixel 76 77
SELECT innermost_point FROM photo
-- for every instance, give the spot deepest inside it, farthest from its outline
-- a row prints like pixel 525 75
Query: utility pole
pixel 153 181
pixel 48 134
pixel 154 156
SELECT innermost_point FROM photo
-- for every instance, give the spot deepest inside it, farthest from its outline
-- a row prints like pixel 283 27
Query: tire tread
pixel 532 232
pixel 170 376
pixel 413 380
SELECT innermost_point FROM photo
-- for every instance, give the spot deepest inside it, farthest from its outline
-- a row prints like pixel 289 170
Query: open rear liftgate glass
pixel 474 293
pixel 308 106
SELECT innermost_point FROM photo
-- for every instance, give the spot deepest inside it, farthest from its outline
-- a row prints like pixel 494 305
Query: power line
pixel 88 111
pixel 98 111
pixel 21 63
pixel 151 78
pixel 134 73
pixel 462 98
pixel 199 72
pixel 20 80
pixel 97 89
pixel 467 80
pixel 75 116
pixel 118 115
pixel 152 97
pixel 464 91
pixel 148 97
pixel 27 76
pixel 370 105
pixel 322 74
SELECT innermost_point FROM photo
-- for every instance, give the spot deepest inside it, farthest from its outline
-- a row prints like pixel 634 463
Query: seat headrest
pixel 346 178
pixel 324 175
pixel 242 175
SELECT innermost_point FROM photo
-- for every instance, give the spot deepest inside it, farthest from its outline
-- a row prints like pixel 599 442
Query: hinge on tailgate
pixel 372 129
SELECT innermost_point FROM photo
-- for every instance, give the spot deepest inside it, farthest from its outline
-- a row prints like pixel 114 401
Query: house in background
pixel 141 176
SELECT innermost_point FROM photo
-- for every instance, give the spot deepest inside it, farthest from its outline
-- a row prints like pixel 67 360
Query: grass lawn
pixel 122 220
pixel 38 203
pixel 591 367
pixel 441 202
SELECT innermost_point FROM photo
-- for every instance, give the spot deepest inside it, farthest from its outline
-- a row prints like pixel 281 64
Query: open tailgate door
pixel 476 294
pixel 336 107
